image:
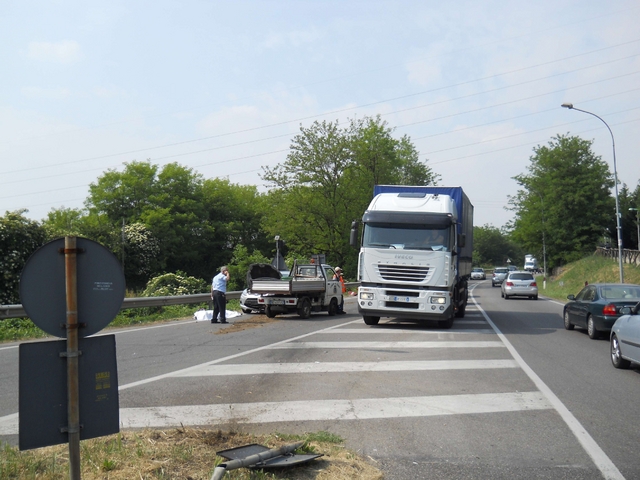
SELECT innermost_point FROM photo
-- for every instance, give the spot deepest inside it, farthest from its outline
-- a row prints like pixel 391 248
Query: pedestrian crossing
pixel 465 337
pixel 349 337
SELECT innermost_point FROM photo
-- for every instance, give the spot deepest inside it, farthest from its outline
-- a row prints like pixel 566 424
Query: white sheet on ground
pixel 203 315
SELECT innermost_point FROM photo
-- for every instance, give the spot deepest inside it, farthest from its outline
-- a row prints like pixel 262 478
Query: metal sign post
pixel 73 408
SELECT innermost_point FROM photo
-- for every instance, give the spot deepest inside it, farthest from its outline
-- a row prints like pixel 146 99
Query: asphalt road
pixel 506 393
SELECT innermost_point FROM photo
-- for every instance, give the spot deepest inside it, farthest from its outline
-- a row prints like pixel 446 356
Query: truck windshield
pixel 407 237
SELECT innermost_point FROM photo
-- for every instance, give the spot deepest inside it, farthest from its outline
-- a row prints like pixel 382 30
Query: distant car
pixel 625 338
pixel 519 284
pixel 512 268
pixel 598 305
pixel 478 274
pixel 499 274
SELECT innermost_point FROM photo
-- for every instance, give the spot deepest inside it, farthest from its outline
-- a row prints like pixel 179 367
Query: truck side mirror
pixel 462 240
pixel 353 236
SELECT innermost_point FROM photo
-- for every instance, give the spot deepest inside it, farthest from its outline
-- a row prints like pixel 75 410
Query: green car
pixel 597 306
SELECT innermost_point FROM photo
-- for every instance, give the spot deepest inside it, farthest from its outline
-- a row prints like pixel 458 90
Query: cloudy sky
pixel 222 86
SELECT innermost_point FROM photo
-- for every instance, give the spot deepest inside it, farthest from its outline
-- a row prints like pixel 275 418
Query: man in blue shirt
pixel 218 295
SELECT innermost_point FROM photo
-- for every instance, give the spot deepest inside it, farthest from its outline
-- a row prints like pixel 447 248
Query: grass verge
pixel 183 453
pixel 14 329
pixel 592 269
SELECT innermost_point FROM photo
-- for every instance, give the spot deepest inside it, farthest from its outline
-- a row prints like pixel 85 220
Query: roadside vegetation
pixel 591 269
pixel 185 453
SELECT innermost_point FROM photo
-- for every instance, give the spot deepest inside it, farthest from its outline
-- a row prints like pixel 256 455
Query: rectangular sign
pixel 43 391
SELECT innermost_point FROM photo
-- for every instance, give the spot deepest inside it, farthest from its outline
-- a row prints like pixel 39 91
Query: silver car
pixel 625 338
pixel 521 284
pixel 249 302
pixel 499 274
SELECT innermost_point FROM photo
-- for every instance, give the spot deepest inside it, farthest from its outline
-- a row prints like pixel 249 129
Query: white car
pixel 478 274
pixel 249 302
pixel 625 338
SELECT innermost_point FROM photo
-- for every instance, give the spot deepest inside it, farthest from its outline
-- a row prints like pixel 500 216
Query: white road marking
pixel 315 410
pixel 387 345
pixel 9 424
pixel 469 322
pixel 601 460
pixel 342 367
pixel 361 331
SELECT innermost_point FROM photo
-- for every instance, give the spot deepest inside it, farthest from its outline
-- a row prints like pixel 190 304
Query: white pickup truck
pixel 309 288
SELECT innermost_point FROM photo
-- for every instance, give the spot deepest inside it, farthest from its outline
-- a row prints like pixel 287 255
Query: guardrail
pixel 18 311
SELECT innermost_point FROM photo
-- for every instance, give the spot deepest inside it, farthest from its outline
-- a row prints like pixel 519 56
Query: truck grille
pixel 403 273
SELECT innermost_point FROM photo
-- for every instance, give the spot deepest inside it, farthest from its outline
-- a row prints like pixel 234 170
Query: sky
pixel 223 86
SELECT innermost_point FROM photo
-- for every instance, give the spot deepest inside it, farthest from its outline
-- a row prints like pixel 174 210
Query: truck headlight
pixel 366 296
pixel 439 300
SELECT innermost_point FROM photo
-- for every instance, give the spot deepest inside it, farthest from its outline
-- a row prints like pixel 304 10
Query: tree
pixel 566 193
pixel 493 247
pixel 141 255
pixel 327 182
pixel 123 195
pixel 19 238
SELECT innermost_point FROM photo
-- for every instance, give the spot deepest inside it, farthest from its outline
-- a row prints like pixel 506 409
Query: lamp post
pixel 637 223
pixel 544 245
pixel 615 177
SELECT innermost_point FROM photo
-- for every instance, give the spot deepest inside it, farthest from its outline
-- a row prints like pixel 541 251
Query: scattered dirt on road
pixel 245 322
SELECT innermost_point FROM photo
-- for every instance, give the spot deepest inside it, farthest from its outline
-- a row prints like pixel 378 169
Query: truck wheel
pixel 371 320
pixel 268 312
pixel 304 308
pixel 461 311
pixel 333 307
pixel 448 323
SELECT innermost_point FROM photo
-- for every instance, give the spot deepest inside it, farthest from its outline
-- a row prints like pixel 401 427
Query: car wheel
pixel 501 293
pixel 333 307
pixel 371 320
pixel 535 297
pixel 304 309
pixel 247 310
pixel 567 323
pixel 616 354
pixel 506 297
pixel 591 329
pixel 268 312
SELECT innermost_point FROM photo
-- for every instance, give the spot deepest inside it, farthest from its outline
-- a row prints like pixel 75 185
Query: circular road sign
pixel 101 287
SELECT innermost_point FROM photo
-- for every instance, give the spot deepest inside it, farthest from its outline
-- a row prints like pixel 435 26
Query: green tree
pixel 123 195
pixel 493 247
pixel 239 266
pixel 141 254
pixel 327 182
pixel 61 222
pixel 19 238
pixel 567 194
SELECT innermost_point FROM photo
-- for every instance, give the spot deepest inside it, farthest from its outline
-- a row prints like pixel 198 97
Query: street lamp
pixel 615 177
pixel 637 223
pixel 544 245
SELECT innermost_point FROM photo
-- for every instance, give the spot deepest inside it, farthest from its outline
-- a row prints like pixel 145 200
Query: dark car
pixel 597 306
pixel 499 274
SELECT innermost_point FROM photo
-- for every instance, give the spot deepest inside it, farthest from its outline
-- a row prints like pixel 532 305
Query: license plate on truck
pixel 402 299
pixel 273 301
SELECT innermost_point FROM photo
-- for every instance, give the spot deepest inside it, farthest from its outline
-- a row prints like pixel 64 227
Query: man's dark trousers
pixel 219 306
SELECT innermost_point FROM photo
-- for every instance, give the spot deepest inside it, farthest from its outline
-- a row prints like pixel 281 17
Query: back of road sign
pixel 43 391
pixel 101 287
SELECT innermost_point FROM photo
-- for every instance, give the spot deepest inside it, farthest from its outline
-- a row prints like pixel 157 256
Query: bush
pixel 178 283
